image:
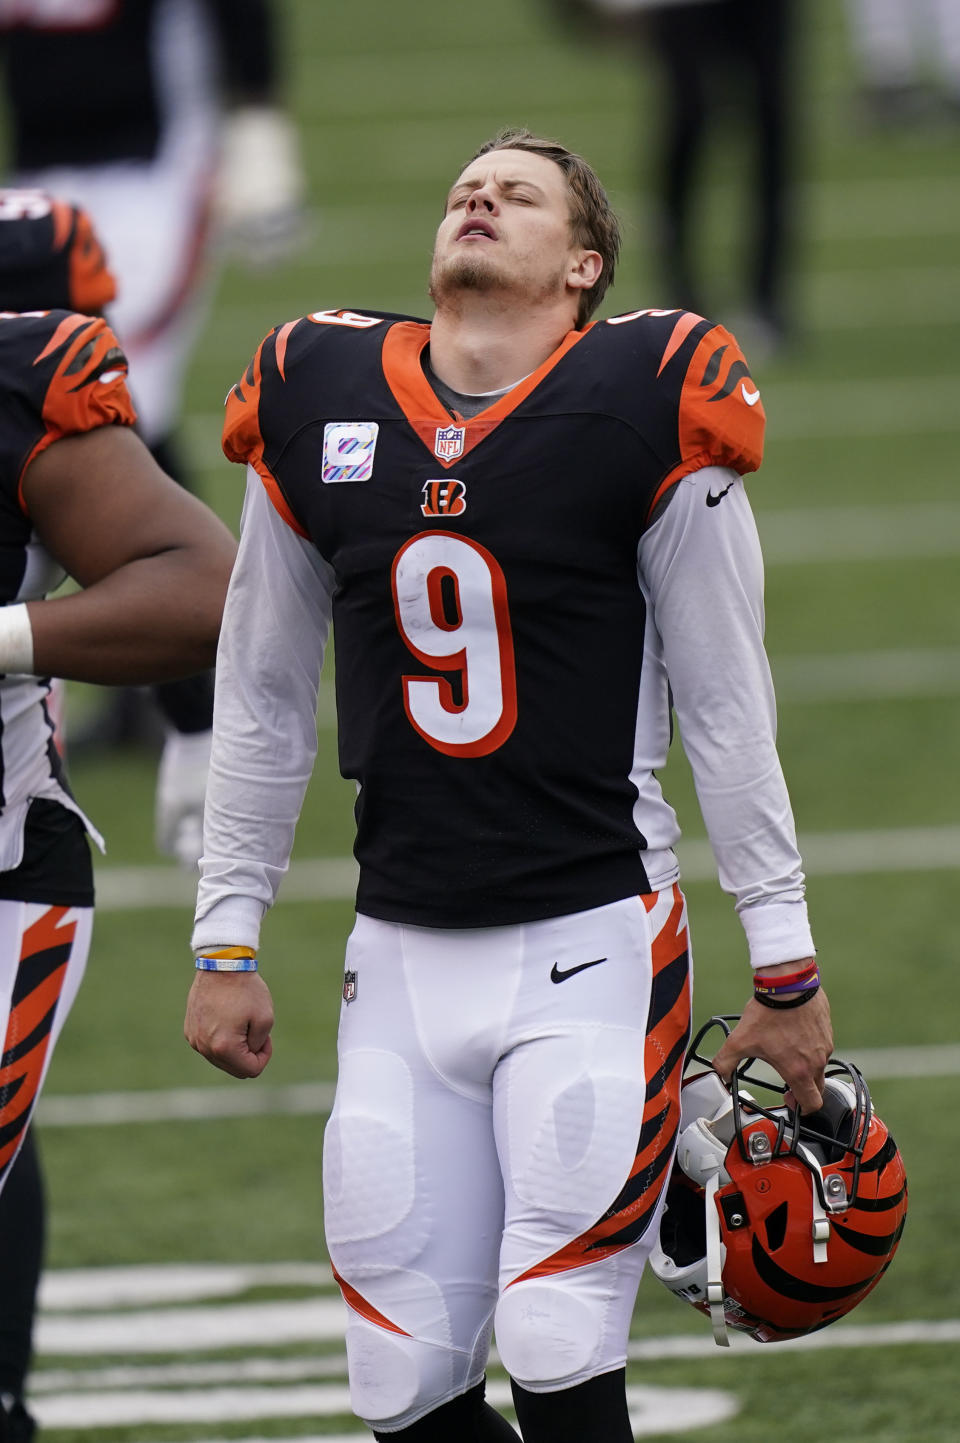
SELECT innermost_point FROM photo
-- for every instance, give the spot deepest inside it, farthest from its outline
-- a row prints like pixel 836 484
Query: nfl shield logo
pixel 349 986
pixel 448 442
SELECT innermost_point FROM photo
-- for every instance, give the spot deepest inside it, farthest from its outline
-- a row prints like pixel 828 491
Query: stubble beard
pixel 465 274
pixel 462 275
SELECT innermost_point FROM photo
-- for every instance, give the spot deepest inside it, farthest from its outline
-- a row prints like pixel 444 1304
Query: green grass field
pixel 858 509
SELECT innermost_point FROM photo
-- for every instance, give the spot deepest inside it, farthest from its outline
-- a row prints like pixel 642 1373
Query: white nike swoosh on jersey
pixel 751 397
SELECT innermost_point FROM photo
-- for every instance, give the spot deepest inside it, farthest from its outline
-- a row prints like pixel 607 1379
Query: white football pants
pixel 43 953
pixel 503 1131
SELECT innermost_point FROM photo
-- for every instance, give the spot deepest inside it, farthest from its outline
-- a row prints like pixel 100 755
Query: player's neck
pixel 474 350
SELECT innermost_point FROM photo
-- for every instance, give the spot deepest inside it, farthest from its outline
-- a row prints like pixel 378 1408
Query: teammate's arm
pixel 153 562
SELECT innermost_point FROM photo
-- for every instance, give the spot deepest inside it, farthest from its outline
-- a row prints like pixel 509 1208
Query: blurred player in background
pixel 163 120
pixel 532 537
pixel 80 496
pixel 724 66
pixel 908 54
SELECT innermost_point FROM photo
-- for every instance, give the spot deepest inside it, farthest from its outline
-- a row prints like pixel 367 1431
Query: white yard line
pixel 868 299
pixel 204 1104
pixel 94 1313
pixel 804 534
pixel 652 1410
pixel 184 1104
pixel 323 879
pixel 316 1365
pixel 875 675
pixel 875 1335
pixel 888 406
pixel 796 411
pixel 868 675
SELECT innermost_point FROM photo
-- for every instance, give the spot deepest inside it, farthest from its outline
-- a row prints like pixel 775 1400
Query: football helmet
pixel 50 256
pixel 777 1223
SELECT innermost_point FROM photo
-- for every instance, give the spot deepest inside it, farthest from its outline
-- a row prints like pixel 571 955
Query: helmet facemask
pixel 776 1224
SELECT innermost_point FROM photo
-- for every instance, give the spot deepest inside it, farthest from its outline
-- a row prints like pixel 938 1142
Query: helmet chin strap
pixel 821 1223
pixel 718 1319
pixel 820 1234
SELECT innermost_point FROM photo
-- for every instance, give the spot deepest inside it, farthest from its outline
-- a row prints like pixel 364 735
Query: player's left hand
pixel 229 1020
pixel 181 788
pixel 796 1041
pixel 259 198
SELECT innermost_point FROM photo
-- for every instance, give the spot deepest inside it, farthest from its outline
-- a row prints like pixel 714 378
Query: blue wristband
pixel 226 964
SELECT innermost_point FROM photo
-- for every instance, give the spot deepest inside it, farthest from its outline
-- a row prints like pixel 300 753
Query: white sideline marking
pixel 324 879
pixel 911 674
pixel 868 675
pixel 882 297
pixel 141 1284
pixel 798 535
pixel 194 1375
pixel 652 1410
pixel 185 1104
pixel 308 1385
pixel 801 410
pixel 796 411
pixel 203 1104
pixel 191 1330
pixel 334 1365
pixel 870 1335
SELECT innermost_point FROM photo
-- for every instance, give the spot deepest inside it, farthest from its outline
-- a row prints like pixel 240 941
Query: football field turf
pixel 188 1295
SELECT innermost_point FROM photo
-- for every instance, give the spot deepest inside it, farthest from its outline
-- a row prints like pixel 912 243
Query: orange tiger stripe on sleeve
pixel 721 417
pixel 88 387
pixel 92 285
pixel 242 438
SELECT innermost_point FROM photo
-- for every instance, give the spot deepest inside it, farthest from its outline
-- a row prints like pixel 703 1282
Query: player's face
pixel 506 230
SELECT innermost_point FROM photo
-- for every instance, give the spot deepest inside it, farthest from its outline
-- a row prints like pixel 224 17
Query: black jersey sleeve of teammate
pixel 50 257
pixel 60 373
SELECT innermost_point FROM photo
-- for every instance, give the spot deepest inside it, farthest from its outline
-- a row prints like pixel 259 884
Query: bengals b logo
pixel 444 498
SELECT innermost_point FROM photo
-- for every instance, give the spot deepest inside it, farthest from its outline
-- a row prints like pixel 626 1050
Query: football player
pixel 530 533
pixel 176 143
pixel 80 496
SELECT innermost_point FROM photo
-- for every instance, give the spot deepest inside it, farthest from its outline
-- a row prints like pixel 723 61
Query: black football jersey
pixel 82 77
pixel 488 615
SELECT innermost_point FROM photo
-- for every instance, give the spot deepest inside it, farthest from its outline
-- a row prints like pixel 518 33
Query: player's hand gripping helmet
pixel 777 1224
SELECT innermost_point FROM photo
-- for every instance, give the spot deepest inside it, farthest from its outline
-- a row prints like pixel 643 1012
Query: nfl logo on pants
pixel 349 986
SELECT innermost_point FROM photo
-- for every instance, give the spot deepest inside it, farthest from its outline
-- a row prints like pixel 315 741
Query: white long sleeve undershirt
pixel 702 568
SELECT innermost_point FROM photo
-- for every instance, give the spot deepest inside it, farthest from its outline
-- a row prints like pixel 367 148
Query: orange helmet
pixel 50 256
pixel 777 1224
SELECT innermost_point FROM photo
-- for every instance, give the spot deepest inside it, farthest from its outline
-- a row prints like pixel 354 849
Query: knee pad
pixel 547 1333
pixel 394 1380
